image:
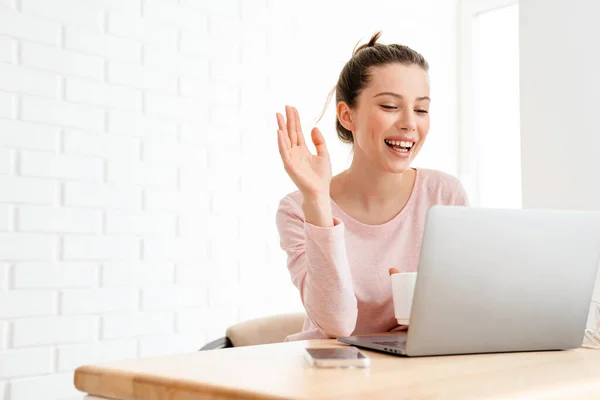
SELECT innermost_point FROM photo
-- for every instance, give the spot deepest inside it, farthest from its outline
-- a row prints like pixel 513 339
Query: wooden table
pixel 278 371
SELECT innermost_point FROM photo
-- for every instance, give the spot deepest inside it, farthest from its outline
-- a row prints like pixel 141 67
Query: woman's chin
pixel 397 167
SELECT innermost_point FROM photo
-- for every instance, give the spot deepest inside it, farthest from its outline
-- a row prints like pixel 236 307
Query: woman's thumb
pixel 319 141
pixel 394 271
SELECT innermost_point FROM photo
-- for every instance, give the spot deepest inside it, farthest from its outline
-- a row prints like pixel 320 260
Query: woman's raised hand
pixel 311 173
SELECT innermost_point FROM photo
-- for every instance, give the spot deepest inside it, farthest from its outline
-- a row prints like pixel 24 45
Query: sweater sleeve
pixel 319 268
pixel 460 195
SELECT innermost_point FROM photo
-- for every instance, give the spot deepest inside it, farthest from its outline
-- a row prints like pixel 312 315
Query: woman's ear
pixel 344 114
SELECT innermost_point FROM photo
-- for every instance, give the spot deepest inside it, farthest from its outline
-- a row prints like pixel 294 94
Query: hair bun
pixel 371 43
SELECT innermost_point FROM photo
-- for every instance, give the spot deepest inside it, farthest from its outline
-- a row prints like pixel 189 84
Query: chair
pixel 271 329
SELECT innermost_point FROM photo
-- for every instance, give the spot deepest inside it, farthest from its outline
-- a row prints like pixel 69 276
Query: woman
pixel 343 235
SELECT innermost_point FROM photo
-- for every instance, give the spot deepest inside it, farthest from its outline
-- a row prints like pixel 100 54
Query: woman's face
pixel 391 119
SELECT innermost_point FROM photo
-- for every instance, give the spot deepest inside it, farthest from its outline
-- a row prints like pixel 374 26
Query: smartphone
pixel 336 357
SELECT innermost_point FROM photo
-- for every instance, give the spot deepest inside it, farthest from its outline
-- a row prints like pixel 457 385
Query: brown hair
pixel 356 74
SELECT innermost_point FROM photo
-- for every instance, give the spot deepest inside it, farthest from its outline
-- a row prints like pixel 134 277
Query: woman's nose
pixel 407 120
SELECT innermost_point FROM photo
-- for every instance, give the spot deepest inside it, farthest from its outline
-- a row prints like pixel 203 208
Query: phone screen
pixel 338 353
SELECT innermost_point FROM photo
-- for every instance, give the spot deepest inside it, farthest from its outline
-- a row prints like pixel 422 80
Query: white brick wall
pixel 62 61
pixel 16 363
pixel 26 303
pixel 139 167
pixel 54 330
pixel 73 356
pixel 45 275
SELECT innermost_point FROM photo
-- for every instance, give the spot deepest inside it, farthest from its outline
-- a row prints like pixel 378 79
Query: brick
pixel 17 79
pixel 100 248
pixel 26 247
pixel 164 59
pixel 107 146
pixel 63 220
pixel 7 105
pixel 193 223
pixel 26 135
pixel 142 274
pixel 101 196
pixel 117 326
pixel 3 333
pixel 192 273
pixel 140 173
pixel 255 13
pixel 63 61
pixel 174 297
pixel 49 165
pixel 98 301
pixel 153 346
pixel 127 123
pixel 175 107
pixel 176 15
pixel 175 249
pixel 111 47
pixel 5 160
pixel 27 362
pixel 145 31
pixel 140 223
pixel 100 94
pixel 173 153
pixel 59 386
pixel 27 27
pixel 73 356
pixel 162 200
pixel 129 6
pixel 5 220
pixel 194 42
pixel 221 9
pixel 54 275
pixel 54 330
pixel 224 294
pixel 72 12
pixel 61 113
pixel 141 77
pixel 194 133
pixel 8 49
pixel 226 51
pixel 197 87
pixel 26 303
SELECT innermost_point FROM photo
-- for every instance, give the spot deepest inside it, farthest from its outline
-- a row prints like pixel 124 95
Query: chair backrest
pixel 271 329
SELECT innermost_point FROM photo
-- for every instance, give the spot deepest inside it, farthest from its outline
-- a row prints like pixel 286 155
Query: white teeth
pixel 400 143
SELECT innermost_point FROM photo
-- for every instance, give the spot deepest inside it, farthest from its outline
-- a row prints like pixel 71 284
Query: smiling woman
pixel 343 234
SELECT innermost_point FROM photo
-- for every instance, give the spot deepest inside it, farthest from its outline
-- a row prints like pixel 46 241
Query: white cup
pixel 403 289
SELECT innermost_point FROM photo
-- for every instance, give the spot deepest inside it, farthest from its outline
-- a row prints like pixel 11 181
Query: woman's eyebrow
pixel 399 96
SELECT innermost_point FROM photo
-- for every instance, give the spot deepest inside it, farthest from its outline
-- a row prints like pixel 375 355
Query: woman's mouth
pixel 401 148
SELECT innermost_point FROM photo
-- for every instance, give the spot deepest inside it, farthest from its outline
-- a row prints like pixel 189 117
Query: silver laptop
pixel 494 280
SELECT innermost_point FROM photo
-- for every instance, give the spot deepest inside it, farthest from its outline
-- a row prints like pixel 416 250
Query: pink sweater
pixel 342 271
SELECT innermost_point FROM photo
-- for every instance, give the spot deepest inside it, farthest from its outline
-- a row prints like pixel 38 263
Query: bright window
pixel 491 141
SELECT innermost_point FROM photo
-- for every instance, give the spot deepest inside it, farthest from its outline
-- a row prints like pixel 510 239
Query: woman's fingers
pixel 299 128
pixel 281 122
pixel 319 142
pixel 394 271
pixel 284 146
pixel 291 125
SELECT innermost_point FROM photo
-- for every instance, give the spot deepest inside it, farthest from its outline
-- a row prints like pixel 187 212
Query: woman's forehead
pixel 410 80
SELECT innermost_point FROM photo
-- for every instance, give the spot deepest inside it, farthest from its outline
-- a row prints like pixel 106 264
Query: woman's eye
pixel 388 107
pixel 422 111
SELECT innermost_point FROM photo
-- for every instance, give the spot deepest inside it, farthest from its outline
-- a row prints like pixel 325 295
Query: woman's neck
pixel 369 188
